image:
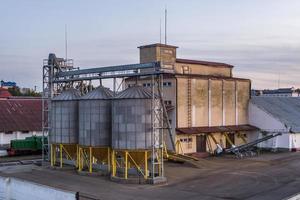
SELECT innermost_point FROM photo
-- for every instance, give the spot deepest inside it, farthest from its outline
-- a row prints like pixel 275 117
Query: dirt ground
pixel 270 176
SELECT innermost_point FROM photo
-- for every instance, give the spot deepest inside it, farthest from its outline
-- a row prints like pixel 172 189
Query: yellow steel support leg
pixel 77 156
pixel 146 165
pixel 91 160
pixel 159 164
pixel 242 137
pixel 113 163
pixel 79 159
pixel 51 155
pixel 60 153
pixel 54 154
pixel 228 139
pixel 108 159
pixel 126 164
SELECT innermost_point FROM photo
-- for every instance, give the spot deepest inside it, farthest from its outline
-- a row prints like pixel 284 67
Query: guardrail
pixel 17 189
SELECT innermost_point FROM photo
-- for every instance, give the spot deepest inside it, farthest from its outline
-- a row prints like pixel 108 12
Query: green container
pixel 33 143
pixel 23 144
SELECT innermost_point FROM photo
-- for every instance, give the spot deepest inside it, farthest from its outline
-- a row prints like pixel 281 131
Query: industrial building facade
pixel 20 118
pixel 205 103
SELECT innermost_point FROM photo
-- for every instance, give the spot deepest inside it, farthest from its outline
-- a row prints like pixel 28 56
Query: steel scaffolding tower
pixel 56 77
pixel 51 66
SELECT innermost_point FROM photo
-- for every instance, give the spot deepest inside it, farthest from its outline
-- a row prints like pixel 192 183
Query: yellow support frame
pixel 178 146
pixel 228 139
pixel 242 137
pixel 87 156
pixel 129 159
pixel 69 151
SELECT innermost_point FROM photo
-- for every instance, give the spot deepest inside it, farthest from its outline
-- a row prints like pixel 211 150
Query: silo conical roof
pixel 68 95
pixel 135 92
pixel 99 93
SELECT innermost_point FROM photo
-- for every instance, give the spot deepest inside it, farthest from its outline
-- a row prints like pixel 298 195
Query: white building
pixel 281 92
pixel 19 118
pixel 277 114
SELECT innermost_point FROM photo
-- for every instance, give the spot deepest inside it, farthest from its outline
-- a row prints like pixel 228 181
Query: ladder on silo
pixel 189 101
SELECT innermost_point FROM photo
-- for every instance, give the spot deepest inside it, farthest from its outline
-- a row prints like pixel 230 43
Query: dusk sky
pixel 261 38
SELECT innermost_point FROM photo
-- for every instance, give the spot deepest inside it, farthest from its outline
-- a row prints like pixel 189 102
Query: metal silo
pixel 132 132
pixel 95 127
pixel 64 125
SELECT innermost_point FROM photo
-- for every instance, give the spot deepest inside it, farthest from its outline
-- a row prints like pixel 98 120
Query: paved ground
pixel 269 176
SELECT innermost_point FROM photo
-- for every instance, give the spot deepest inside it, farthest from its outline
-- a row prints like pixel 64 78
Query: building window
pixel 8 132
pixel 167 84
pixel 24 131
pixel 168 103
pixel 187 141
pixel 185 69
pixel 146 84
pixel 167 51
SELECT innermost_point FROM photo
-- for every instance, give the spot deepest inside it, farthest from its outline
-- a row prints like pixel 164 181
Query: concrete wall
pixel 199 96
pixel 166 54
pixel 214 102
pixel 243 96
pixel 12 188
pixel 203 69
pixel 5 138
pixel 229 102
pixel 189 144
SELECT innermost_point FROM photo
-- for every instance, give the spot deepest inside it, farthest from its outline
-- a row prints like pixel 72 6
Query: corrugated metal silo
pixel 131 121
pixel 64 118
pixel 95 118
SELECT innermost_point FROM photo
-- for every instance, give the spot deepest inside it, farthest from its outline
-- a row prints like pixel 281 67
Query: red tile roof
pixel 4 93
pixel 216 129
pixel 201 62
pixel 20 115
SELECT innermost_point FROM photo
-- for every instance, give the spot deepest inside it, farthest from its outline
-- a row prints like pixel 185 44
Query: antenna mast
pixel 160 30
pixel 278 80
pixel 165 25
pixel 66 42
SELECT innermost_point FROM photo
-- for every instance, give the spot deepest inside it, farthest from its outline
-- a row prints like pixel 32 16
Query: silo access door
pixel 201 143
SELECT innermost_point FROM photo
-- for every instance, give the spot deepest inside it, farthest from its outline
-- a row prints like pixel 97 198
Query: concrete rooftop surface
pixel 268 177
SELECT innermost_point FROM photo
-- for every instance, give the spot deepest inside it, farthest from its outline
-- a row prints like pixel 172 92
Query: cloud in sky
pixel 260 38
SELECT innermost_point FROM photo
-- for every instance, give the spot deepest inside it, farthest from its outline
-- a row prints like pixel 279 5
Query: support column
pixel 77 156
pixel 90 160
pixel 126 164
pixel 51 155
pixel 79 159
pixel 146 165
pixel 60 154
pixel 113 163
pixel 108 159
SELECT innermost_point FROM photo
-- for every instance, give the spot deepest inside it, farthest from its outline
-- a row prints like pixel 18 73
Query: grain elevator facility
pixel 161 106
